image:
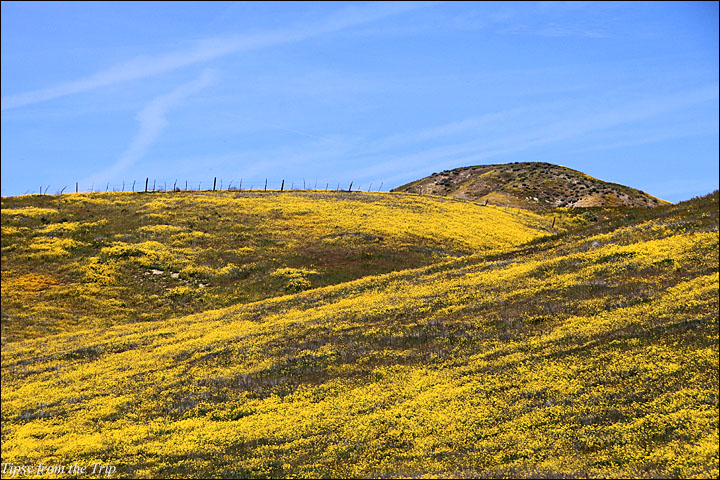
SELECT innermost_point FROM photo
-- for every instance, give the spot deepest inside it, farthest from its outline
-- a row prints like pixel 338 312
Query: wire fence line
pixel 218 184
pixel 214 184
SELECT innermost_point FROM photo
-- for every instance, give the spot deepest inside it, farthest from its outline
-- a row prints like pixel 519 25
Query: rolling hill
pixel 461 341
pixel 531 185
pixel 82 260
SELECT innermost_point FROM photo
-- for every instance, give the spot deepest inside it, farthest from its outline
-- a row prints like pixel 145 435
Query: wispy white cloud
pixel 487 121
pixel 517 136
pixel 492 137
pixel 209 49
pixel 555 29
pixel 152 120
pixel 691 130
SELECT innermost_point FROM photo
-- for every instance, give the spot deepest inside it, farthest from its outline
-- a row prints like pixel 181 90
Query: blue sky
pixel 375 93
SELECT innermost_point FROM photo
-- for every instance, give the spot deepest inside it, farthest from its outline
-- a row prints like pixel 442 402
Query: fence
pixel 216 184
pixel 240 185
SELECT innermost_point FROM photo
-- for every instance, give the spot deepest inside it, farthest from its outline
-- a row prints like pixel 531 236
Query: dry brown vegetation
pixel 531 185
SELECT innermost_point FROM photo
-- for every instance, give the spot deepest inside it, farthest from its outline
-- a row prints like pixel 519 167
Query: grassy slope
pixel 81 260
pixel 591 353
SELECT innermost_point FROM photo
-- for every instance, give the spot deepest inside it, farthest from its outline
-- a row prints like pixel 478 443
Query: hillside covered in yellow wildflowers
pixel 95 260
pixel 311 334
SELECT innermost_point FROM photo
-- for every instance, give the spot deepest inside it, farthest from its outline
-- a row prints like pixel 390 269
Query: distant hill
pixel 531 185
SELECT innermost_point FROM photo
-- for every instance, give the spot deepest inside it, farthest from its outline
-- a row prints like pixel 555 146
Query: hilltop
pixel 531 185
pixel 509 350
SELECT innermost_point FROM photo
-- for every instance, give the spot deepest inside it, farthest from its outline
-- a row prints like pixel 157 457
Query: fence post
pixel 282 186
pixel 370 187
pixel 107 187
pixel 153 184
pixel 76 187
pixel 133 186
pixel 63 189
pixel 350 187
pixel 186 185
pixel 266 184
pixel 380 189
pixel 240 185
pixel 46 188
pixel 174 184
pixel 146 184
pixel 214 183
pixel 123 186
